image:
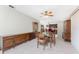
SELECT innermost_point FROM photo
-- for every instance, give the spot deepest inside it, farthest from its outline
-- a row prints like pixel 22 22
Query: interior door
pixel 35 27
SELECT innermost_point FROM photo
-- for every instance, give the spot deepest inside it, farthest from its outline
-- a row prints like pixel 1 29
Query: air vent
pixel 11 6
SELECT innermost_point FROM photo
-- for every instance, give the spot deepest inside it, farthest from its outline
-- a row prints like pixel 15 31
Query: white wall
pixel 60 29
pixel 75 30
pixel 2 18
pixel 14 22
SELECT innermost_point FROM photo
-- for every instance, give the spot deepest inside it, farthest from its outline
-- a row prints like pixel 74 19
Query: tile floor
pixel 30 47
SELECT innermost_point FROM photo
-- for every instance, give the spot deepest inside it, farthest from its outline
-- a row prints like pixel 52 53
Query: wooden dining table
pixel 51 38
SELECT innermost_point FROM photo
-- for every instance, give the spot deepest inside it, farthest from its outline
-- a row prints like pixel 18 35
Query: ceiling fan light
pixel 47 13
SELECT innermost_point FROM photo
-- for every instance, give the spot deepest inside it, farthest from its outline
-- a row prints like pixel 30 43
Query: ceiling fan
pixel 47 13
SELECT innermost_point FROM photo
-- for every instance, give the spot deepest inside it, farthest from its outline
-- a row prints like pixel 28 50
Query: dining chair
pixel 42 40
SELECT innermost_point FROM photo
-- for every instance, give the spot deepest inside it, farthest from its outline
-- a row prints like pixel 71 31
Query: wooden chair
pixel 52 39
pixel 41 40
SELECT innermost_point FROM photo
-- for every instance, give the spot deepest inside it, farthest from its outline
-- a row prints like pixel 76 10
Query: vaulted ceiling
pixel 61 12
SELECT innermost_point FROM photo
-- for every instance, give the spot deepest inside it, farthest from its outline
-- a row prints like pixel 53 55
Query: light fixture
pixel 47 13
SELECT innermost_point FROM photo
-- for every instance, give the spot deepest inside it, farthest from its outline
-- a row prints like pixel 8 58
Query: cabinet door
pixel 20 38
pixel 31 36
pixel 27 37
pixel 67 36
pixel 8 42
pixel 67 30
pixel 68 25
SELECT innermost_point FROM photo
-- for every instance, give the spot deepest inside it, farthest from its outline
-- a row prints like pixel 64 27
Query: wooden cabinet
pixel 27 37
pixel 68 26
pixel 8 42
pixel 67 30
pixel 11 41
pixel 32 35
pixel 20 38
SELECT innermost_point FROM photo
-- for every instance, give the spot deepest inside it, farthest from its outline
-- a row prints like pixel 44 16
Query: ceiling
pixel 61 12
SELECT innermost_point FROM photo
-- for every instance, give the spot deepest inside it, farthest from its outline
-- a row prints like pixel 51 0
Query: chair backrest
pixel 41 35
